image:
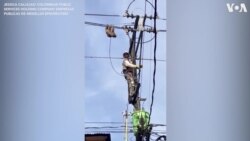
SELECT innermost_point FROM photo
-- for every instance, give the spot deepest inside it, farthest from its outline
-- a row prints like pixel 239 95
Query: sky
pixel 105 87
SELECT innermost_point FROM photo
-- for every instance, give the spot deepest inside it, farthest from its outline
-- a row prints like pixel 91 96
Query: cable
pixel 153 90
pixel 103 25
pixel 105 122
pixel 151 4
pixel 141 62
pixel 90 14
pixel 103 57
pixel 111 131
pixel 156 132
pixel 161 138
pixel 104 127
pixel 150 51
pixel 110 15
pixel 140 55
pixel 111 60
pixel 102 122
pixel 117 27
pixel 129 5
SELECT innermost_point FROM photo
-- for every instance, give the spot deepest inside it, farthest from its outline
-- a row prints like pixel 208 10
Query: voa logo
pixel 232 7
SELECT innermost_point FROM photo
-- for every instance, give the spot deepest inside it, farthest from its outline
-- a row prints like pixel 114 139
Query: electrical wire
pixel 129 5
pixel 104 127
pixel 102 122
pixel 109 15
pixel 142 54
pixel 155 46
pixel 150 55
pixel 103 57
pixel 98 129
pixel 103 25
pixel 106 122
pixel 111 60
pixel 117 27
pixel 112 15
pixel 111 131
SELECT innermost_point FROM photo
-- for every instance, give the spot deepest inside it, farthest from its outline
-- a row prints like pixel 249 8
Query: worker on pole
pixel 128 67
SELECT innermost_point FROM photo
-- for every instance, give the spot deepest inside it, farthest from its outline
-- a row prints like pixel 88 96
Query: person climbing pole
pixel 128 67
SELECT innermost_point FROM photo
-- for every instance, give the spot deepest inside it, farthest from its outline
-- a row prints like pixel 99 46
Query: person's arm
pixel 128 64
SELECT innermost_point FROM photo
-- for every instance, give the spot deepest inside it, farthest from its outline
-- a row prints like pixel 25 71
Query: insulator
pixel 126 14
pixel 132 16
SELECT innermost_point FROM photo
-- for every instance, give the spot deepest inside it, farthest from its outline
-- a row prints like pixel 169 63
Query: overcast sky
pixel 105 88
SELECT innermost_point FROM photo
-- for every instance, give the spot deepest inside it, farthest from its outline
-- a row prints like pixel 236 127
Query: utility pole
pixel 125 116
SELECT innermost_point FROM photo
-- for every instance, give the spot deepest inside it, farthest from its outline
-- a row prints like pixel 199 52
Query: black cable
pixel 141 61
pixel 140 56
pixel 151 4
pixel 103 25
pixel 102 122
pixel 96 122
pixel 162 138
pixel 121 132
pixel 111 60
pixel 102 57
pixel 117 27
pixel 109 15
pixel 149 40
pixel 153 90
pixel 104 127
pixel 129 5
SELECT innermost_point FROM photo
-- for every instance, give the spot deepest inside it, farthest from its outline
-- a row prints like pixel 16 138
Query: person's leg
pixel 131 83
pixel 130 78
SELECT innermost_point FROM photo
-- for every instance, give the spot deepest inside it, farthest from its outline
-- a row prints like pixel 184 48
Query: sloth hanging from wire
pixel 110 31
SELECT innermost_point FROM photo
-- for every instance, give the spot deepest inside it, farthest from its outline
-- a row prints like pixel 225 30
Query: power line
pixel 111 60
pixel 104 127
pixel 108 15
pixel 118 27
pixel 103 57
pixel 129 131
pixel 121 132
pixel 103 25
pixel 112 15
pixel 102 122
pixel 155 46
pixel 105 122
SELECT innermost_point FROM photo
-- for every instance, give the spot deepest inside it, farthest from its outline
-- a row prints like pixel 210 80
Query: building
pixel 97 137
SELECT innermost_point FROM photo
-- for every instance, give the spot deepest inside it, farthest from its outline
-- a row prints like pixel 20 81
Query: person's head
pixel 125 55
